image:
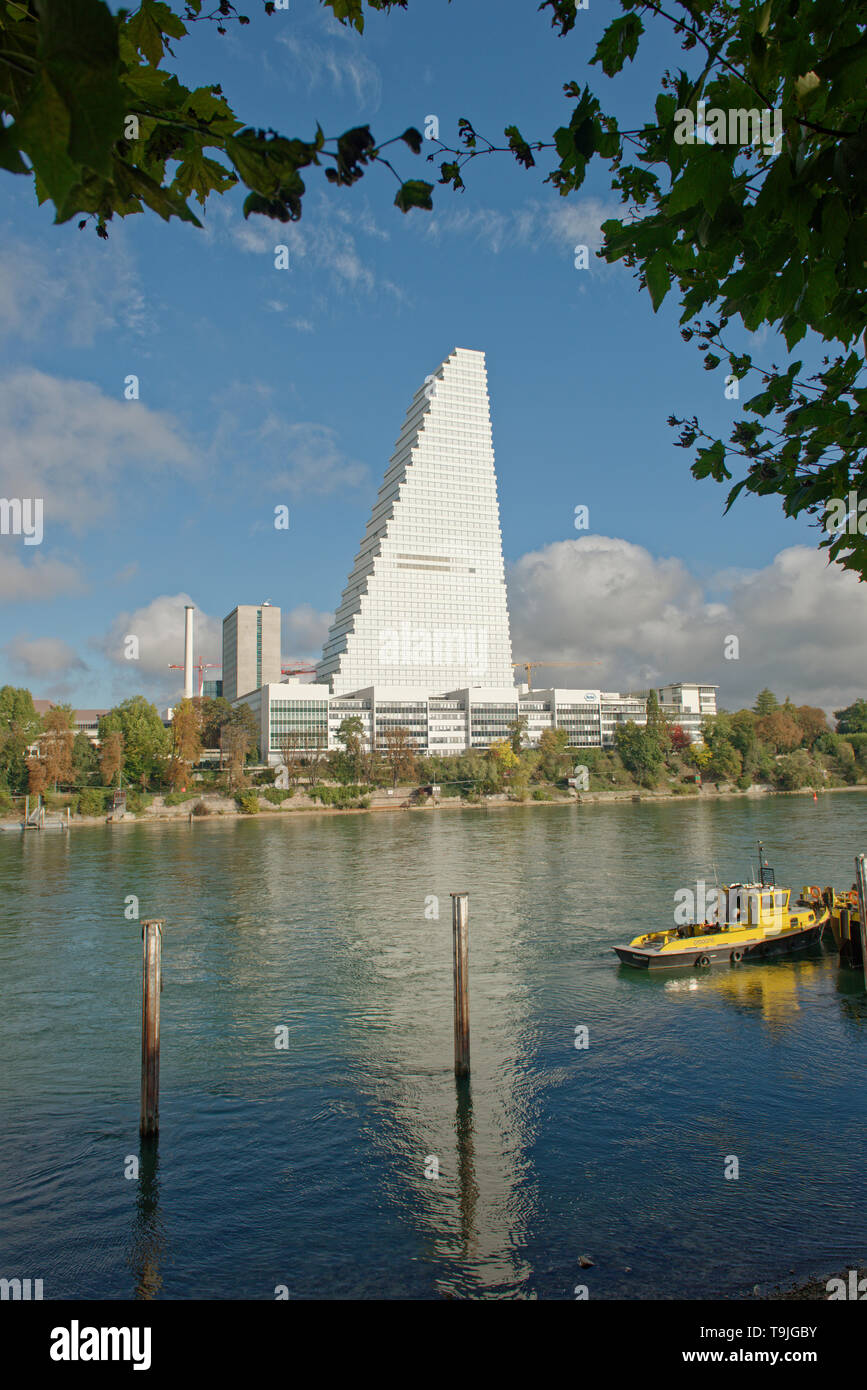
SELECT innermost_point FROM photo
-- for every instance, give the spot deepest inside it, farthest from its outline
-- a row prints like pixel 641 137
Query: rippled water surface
pixel 306 1166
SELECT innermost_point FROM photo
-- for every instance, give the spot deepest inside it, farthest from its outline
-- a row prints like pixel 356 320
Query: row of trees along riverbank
pixel 780 745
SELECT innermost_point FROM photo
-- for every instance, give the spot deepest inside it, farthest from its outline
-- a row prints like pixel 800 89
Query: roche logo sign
pixel 591 698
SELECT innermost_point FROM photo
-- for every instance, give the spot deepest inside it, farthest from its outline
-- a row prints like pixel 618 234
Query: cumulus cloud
pixel 304 631
pixel 159 630
pixel 67 442
pixel 800 624
pixel 40 657
pixel 38 578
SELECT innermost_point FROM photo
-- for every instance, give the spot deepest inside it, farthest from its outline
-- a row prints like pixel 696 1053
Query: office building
pixel 425 602
pixel 251 648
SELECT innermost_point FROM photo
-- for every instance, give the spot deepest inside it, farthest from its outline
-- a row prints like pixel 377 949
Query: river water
pixel 309 1166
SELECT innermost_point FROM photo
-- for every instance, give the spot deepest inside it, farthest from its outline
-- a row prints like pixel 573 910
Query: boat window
pixel 779 901
pixel 767 903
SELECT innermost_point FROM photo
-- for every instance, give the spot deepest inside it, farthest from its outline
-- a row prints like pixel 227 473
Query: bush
pixel 92 800
pixel 201 808
pixel 364 803
pixel 178 798
pixel 341 797
pixel 744 782
pixel 248 802
pixel 266 778
pixel 136 801
pixel 542 794
pixel 276 796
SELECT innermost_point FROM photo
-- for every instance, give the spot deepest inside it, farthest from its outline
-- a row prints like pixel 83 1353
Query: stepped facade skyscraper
pixel 425 603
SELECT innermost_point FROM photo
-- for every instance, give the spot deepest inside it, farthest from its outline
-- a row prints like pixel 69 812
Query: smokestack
pixel 188 651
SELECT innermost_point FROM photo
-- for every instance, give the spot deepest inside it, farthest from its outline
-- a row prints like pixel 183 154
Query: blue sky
pixel 261 386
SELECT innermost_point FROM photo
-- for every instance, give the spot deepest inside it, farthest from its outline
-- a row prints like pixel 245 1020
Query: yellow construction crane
pixel 530 666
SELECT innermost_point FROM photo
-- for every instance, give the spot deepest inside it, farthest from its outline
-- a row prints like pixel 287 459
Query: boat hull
pixel 696 954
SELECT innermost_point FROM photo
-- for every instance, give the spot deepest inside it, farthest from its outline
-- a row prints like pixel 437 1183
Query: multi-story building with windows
pixel 251 648
pixel 420 640
pixel 425 602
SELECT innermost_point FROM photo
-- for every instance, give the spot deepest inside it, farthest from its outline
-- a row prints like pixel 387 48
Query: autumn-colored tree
pixel 37 776
pixel 812 721
pixel 111 757
pixel 780 731
pixel 186 742
pixel 680 739
pixel 398 752
pixel 55 744
pixel 234 746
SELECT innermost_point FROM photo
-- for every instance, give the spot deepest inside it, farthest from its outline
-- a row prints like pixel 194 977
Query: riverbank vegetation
pixel 210 753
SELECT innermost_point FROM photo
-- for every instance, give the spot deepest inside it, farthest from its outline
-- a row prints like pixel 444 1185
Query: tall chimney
pixel 188 651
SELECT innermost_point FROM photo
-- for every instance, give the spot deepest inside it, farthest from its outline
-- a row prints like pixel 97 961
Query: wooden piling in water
pixel 861 880
pixel 461 945
pixel 151 985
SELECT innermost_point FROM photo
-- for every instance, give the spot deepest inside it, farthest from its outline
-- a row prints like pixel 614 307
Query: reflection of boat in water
pixel 752 921
pixel 845 924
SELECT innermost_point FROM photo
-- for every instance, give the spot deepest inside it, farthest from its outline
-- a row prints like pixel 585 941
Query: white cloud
pixel 78 286
pixel 40 578
pixel 315 465
pixel 335 61
pixel 564 223
pixel 801 624
pixel 304 631
pixel 159 628
pixel 40 657
pixel 67 442
pixel 326 239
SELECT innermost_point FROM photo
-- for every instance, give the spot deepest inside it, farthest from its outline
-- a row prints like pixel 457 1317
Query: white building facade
pixel 420 640
pixel 425 603
pixel 298 716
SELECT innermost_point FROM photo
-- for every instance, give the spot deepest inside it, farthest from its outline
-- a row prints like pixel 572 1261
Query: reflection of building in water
pixel 391 972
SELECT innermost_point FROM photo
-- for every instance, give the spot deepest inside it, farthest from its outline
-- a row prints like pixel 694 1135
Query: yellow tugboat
pixel 753 921
pixel 845 924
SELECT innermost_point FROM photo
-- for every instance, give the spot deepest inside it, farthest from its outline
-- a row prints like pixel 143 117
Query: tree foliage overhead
pixel 744 231
pixel 745 234
pixel 106 130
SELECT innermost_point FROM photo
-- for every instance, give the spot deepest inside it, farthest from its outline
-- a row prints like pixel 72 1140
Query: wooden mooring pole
pixel 861 880
pixel 151 984
pixel 461 944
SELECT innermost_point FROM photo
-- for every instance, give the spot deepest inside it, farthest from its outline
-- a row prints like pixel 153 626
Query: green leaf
pixel 10 155
pixel 43 135
pixel 79 51
pixel 619 42
pixel 414 193
pixel 147 27
pixel 658 277
pixel 412 137
pixel 518 144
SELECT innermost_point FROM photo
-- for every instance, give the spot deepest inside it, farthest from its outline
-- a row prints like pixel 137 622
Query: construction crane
pixel 201 667
pixel 530 666
pixel 304 670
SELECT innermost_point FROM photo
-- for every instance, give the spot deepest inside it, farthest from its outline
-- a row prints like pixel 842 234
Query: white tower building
pixel 425 604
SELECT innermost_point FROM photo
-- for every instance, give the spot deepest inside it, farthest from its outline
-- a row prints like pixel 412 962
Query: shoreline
pixel 229 812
